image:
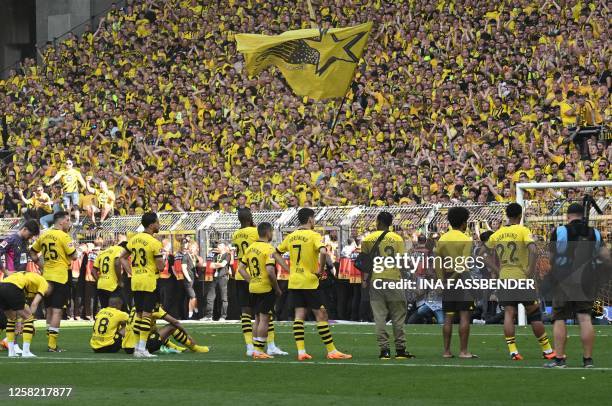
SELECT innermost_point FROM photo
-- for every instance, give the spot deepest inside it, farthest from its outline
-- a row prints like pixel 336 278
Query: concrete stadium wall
pixel 17 31
pixel 24 23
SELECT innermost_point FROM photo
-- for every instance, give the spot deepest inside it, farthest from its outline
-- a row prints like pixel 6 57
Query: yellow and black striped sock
pixel 545 343
pixel 28 330
pixel 270 338
pixel 144 328
pixel 247 328
pixel 298 334
pixel 259 344
pixel 326 336
pixel 182 338
pixel 10 330
pixel 511 341
pixel 52 335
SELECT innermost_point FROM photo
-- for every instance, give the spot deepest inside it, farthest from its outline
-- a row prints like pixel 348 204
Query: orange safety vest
pixel 165 273
pixel 178 266
pixel 75 267
pixel 281 274
pixel 31 266
pixel 345 268
pixel 89 269
pixel 354 273
pixel 209 273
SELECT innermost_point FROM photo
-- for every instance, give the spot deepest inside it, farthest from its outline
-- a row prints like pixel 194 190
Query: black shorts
pixel 264 302
pixel 154 342
pixel 11 297
pixel 144 301
pixel 189 291
pixel 310 298
pixel 567 310
pixel 454 307
pixel 105 295
pixel 245 298
pixel 114 347
pixel 514 297
pixel 59 295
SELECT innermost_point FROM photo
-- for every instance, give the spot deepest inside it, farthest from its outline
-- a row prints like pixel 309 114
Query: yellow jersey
pixel 129 340
pixel 390 245
pixel 452 245
pixel 242 239
pixel 105 263
pixel 70 179
pixel 303 247
pixel 31 283
pixel 511 245
pixel 256 258
pixel 56 247
pixel 105 199
pixel 144 249
pixel 107 324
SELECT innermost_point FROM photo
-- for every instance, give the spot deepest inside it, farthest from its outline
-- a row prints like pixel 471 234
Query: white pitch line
pixel 68 360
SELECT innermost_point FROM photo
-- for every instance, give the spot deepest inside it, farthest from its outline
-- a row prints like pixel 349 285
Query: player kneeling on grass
pixel 14 291
pixel 159 339
pixel 109 327
pixel 257 267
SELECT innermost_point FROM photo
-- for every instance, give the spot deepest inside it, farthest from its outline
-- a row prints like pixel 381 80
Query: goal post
pixel 554 216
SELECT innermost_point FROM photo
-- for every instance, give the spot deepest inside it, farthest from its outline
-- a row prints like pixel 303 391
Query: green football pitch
pixel 226 376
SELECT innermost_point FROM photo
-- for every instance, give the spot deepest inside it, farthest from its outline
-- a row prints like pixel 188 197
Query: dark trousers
pixel 126 292
pixel 89 298
pixel 167 294
pixel 211 294
pixel 282 304
pixel 344 294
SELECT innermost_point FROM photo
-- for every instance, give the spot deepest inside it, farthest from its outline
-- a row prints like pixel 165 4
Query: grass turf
pixel 227 376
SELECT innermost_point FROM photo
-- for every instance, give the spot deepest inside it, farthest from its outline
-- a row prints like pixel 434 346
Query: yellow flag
pixel 316 63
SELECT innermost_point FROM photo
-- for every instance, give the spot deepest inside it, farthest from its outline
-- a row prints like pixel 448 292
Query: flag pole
pixel 311 13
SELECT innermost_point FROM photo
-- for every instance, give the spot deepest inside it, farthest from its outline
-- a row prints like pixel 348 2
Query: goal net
pixel 545 207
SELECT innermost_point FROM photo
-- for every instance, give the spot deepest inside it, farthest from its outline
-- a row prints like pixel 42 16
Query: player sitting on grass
pixel 14 291
pixel 109 327
pixel 159 339
pixel 259 260
pixel 517 252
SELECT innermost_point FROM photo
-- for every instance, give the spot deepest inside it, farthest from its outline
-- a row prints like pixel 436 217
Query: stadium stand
pixel 455 101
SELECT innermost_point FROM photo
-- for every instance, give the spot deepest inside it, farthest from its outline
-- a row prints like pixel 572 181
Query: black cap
pixel 575 208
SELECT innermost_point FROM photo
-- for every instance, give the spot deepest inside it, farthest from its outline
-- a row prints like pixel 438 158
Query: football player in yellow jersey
pixel 146 253
pixel 307 258
pixel 160 338
pixel 257 267
pixel 109 327
pixel 107 271
pixel 15 289
pixel 70 178
pixel 56 249
pixel 452 245
pixel 242 239
pixel 385 301
pixel 517 253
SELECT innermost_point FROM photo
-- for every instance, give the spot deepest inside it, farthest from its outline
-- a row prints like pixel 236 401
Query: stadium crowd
pixel 454 101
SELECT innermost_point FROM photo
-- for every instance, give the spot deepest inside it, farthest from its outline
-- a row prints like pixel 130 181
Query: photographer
pixel 575 250
pixel 221 265
pixel 387 302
